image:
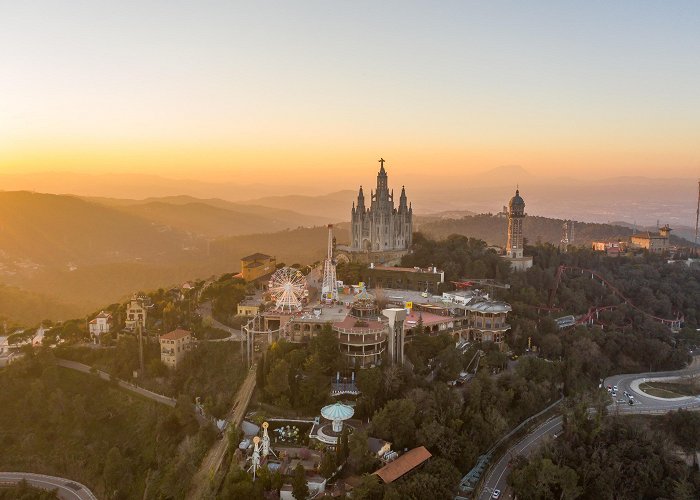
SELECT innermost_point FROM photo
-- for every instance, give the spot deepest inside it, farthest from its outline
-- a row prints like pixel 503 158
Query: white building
pixel 99 325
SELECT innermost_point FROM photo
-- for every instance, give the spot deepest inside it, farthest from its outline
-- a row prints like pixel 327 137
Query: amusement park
pixel 378 323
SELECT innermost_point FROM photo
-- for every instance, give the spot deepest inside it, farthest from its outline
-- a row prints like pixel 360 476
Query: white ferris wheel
pixel 287 288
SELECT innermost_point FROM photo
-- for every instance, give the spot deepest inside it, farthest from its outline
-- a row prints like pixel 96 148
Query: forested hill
pixel 493 229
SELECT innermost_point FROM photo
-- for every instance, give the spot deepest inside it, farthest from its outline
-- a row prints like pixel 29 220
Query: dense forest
pixel 539 230
pixel 68 424
pixel 616 457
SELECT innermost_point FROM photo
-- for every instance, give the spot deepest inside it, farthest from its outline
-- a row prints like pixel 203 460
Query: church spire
pixel 402 199
pixel 361 200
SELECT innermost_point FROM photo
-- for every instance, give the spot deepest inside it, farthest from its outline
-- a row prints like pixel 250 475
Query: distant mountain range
pixel 632 199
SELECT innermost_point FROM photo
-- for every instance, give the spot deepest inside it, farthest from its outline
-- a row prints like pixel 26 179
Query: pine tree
pixel 300 488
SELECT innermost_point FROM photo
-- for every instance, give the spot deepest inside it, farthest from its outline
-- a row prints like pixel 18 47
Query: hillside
pixel 230 219
pixel 493 229
pixel 335 205
pixel 203 219
pixel 38 230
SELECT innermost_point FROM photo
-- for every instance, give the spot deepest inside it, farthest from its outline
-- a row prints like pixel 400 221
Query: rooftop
pixel 176 334
pixel 408 269
pixel 405 463
pixel 489 306
pixel 337 411
pixel 429 319
pixel 256 256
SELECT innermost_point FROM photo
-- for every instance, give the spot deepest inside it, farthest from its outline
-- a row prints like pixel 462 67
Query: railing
pixel 361 339
pixel 358 330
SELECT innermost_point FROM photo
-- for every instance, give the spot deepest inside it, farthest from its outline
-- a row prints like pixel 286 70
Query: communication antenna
pixel 697 218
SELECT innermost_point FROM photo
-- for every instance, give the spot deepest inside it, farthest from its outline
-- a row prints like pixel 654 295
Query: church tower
pixel 381 227
pixel 516 214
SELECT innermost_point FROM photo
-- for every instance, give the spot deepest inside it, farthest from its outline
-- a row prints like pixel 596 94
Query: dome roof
pixel 337 411
pixel 516 200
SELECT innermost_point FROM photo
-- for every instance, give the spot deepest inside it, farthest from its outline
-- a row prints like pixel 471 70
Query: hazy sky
pixel 296 89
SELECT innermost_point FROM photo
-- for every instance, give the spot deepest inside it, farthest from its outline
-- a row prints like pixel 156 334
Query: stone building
pixel 381 227
pixel 655 243
pixel 515 245
pixel 173 346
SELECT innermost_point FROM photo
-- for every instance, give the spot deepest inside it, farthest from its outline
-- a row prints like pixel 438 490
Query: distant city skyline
pixel 297 92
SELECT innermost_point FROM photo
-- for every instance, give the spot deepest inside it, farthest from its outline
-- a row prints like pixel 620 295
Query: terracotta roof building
pixel 404 464
pixel 173 346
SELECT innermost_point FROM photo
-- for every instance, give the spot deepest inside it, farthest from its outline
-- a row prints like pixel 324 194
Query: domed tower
pixel 516 214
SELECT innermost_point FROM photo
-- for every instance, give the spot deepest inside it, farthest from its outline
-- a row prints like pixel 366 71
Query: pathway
pixel 74 365
pixel 212 461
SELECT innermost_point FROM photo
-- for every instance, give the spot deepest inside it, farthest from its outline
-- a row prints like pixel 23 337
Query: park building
pixel 654 243
pixel 429 280
pixel 173 347
pixel 362 334
pixel 487 321
pixel 257 266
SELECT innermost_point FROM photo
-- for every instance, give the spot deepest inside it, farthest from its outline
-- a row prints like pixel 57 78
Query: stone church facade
pixel 381 227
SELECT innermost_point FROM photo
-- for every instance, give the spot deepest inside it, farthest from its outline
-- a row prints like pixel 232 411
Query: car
pixel 625 393
pixel 631 402
pixel 496 494
pixel 614 388
pixel 631 397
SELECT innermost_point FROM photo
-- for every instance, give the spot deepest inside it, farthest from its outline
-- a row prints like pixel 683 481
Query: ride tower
pixel 329 289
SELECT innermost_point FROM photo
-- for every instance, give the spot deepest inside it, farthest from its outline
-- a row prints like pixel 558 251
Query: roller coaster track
pixel 674 324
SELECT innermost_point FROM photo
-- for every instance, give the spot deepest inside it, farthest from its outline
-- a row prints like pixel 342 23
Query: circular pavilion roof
pixel 364 295
pixel 337 411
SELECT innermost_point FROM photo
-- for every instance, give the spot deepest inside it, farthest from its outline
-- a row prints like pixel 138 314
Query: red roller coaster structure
pixel 673 324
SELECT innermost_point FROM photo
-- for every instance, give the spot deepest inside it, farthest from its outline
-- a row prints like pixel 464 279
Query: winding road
pixel 204 310
pixel 644 403
pixel 65 488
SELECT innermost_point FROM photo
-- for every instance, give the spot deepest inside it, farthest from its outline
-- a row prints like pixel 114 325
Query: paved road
pixel 645 403
pixel 498 474
pixel 212 461
pixel 66 489
pixel 204 310
pixel 74 365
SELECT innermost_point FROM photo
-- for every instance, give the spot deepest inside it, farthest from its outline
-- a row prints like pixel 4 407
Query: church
pixel 381 227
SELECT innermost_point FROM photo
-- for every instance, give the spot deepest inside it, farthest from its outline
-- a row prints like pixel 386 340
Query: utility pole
pixel 140 346
pixel 697 218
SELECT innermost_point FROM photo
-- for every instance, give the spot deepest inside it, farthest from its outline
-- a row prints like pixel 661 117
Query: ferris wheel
pixel 287 288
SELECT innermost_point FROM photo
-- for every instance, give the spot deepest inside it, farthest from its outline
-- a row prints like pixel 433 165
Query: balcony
pixel 362 339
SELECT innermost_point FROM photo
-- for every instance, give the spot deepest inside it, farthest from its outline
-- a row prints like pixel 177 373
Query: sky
pixel 317 91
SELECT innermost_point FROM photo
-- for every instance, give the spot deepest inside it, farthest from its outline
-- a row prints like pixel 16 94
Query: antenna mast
pixel 697 218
